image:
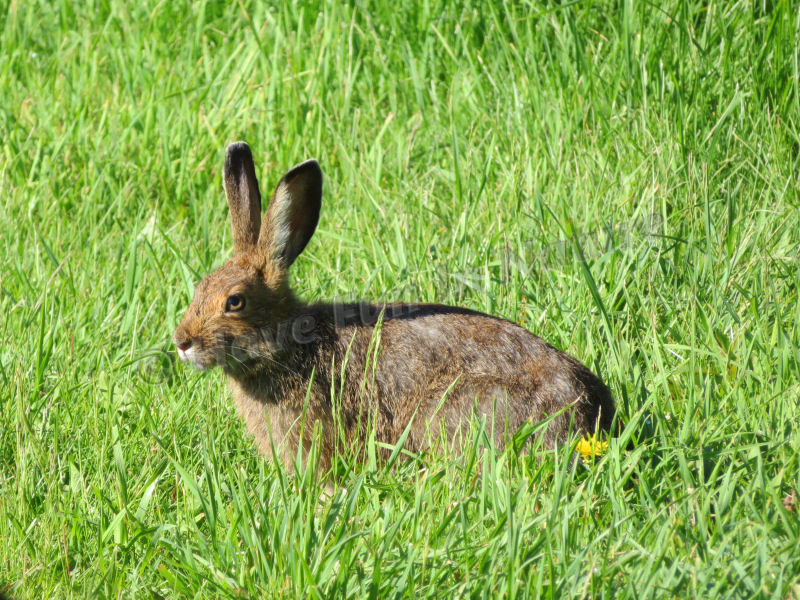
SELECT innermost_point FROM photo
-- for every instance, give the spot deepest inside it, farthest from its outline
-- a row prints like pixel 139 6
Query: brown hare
pixel 388 365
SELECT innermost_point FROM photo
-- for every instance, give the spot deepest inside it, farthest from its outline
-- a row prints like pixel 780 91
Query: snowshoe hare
pixel 439 366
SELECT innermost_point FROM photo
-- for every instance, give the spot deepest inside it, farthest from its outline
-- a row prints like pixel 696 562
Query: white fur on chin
pixel 190 356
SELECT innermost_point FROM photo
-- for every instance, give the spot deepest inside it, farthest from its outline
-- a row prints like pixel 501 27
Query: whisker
pixel 258 355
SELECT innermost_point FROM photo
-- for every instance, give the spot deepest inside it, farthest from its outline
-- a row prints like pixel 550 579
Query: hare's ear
pixel 244 198
pixel 292 214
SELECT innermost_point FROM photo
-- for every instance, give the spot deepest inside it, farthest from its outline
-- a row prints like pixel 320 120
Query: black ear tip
pixel 237 154
pixel 308 167
pixel 311 163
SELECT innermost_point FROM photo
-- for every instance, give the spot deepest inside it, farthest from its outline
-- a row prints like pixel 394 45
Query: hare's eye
pixel 234 303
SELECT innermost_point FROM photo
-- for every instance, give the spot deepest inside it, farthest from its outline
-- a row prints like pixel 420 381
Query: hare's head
pixel 236 311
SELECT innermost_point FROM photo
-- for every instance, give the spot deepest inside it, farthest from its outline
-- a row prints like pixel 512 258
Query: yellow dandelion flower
pixel 590 446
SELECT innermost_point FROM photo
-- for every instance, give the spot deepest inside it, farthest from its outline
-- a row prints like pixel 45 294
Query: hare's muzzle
pixel 184 345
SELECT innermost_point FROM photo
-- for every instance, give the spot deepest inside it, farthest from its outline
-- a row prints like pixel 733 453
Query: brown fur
pixel 438 365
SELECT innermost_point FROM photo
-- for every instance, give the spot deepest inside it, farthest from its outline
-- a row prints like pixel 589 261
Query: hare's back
pixel 430 351
pixel 433 335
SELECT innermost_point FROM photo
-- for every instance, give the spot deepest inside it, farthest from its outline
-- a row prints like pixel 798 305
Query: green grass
pixel 473 154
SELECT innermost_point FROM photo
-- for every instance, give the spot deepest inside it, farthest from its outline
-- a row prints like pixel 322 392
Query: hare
pixel 432 366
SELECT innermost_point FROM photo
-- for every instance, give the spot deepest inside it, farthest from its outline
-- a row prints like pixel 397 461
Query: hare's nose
pixel 184 346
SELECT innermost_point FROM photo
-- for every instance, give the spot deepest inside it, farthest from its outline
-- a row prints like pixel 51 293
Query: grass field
pixel 619 178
